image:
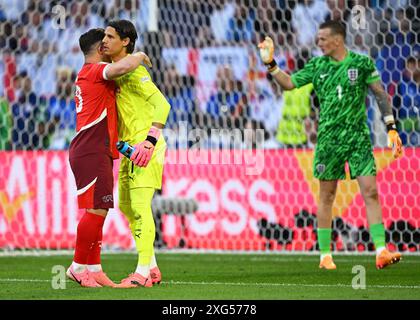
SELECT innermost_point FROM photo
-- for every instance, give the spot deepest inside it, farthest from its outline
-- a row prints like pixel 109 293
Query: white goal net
pixel 238 173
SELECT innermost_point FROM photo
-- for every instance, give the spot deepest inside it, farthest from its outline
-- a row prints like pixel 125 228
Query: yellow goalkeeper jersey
pixel 135 113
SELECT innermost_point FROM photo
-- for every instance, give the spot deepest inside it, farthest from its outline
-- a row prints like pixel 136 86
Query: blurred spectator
pixel 291 132
pixel 241 25
pixel 223 12
pixel 180 94
pixel 68 46
pixel 2 14
pixel 306 18
pixel 9 75
pixel 13 9
pixel 8 39
pixel 40 62
pixel 194 31
pixel 29 129
pixel 5 125
pixel 267 105
pixel 228 104
pixel 400 44
pixel 97 14
pixel 407 103
pixel 61 113
pixel 338 10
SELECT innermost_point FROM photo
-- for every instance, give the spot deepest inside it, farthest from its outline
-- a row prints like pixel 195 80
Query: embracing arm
pixel 125 65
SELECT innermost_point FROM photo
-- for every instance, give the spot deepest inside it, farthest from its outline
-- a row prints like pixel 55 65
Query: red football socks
pixel 95 253
pixel 87 235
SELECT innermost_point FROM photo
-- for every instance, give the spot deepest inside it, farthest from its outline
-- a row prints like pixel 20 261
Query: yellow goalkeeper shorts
pixel 131 176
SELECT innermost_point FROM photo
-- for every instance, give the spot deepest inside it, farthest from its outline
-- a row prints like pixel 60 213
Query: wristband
pixel 153 135
pixel 391 126
pixel 271 65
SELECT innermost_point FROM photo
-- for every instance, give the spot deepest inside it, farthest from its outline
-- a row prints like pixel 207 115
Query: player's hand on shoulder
pixel 266 49
pixel 145 58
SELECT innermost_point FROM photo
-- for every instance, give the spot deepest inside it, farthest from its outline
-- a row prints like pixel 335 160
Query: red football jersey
pixel 96 113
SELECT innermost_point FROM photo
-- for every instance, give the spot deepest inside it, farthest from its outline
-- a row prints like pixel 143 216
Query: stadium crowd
pixel 40 61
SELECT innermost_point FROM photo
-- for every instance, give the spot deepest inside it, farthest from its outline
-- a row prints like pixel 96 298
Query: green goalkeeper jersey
pixel 341 88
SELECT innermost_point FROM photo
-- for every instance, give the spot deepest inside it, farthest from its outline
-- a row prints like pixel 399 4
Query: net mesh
pixel 238 173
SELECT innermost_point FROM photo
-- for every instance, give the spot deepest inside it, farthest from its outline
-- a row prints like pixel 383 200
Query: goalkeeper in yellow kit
pixel 142 113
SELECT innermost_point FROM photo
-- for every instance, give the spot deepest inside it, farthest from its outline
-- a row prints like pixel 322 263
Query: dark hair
pixel 90 38
pixel 336 27
pixel 125 29
pixel 411 60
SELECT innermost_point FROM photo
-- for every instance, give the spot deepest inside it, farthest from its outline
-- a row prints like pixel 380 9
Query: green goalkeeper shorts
pixel 331 157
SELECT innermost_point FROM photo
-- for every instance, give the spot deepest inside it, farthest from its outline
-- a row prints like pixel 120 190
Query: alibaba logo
pixel 10 208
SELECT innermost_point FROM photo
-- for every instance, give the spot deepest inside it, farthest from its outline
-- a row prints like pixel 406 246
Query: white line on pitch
pixel 260 284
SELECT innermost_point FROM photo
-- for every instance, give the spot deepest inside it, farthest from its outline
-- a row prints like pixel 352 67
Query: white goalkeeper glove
pixel 266 50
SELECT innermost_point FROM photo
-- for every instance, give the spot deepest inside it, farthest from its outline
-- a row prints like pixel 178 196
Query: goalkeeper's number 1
pixel 339 91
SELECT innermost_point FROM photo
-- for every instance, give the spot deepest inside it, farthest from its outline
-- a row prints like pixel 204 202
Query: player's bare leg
pixel 369 191
pixel 327 191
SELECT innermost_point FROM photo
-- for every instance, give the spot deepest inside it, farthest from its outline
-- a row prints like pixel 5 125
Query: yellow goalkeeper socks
pixel 143 226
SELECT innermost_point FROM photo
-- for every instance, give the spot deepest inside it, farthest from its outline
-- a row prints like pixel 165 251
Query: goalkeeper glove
pixel 266 53
pixel 394 141
pixel 144 150
pixel 266 50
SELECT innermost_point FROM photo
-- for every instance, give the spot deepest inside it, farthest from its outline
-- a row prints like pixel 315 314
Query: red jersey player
pixel 92 152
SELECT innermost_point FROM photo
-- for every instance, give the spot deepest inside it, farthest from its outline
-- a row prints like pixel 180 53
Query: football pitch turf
pixel 198 276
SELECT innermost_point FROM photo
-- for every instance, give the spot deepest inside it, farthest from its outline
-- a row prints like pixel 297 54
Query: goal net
pixel 238 172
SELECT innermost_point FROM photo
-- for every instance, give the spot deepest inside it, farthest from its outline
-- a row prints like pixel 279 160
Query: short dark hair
pixel 125 29
pixel 90 38
pixel 336 27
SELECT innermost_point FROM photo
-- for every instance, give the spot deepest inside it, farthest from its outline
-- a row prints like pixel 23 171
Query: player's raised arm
pixel 384 105
pixel 125 65
pixel 266 49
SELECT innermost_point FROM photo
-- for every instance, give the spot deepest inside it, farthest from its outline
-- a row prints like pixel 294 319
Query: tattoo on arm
pixel 381 98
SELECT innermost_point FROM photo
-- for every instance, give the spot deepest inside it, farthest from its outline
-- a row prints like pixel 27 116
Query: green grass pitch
pixel 218 276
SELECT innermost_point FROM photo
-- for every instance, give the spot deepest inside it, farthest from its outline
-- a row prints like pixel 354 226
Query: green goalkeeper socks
pixel 377 231
pixel 324 240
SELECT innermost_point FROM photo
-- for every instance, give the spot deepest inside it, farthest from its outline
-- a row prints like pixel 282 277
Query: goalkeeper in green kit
pixel 341 79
